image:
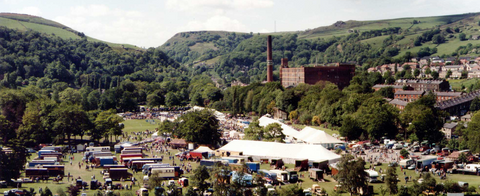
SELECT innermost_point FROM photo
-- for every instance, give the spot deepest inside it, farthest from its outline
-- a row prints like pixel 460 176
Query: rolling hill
pixel 194 42
pixel 24 22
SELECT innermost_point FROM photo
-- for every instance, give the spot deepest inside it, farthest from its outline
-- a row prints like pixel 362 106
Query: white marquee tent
pixel 219 115
pixel 290 132
pixel 310 135
pixel 287 152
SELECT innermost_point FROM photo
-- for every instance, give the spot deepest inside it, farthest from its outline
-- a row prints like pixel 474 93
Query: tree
pixel 220 178
pixel 462 37
pixel 293 115
pixel 46 192
pixel 428 71
pixel 108 123
pixel 387 92
pixel 475 105
pixel 434 75
pixel 199 126
pixel 351 174
pixel 449 73
pixel 273 132
pixel 472 134
pixel 423 119
pixel 70 120
pixel 200 174
pixel 416 72
pixel 391 180
pixel 404 153
pixel 462 158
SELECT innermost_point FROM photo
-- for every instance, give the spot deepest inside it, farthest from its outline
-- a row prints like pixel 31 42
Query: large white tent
pixel 219 115
pixel 290 132
pixel 287 152
pixel 310 135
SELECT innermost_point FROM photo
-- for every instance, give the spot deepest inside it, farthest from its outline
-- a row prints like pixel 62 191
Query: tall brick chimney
pixel 269 60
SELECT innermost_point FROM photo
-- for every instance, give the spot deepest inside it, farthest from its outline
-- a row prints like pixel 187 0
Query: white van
pixel 397 146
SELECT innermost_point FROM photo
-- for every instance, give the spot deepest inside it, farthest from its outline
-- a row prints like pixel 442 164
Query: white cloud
pixel 35 11
pixel 200 5
pixel 217 22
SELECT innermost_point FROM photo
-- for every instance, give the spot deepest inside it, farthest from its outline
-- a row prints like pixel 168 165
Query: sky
pixel 150 23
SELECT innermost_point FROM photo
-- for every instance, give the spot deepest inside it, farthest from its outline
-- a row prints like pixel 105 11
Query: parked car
pixel 426 152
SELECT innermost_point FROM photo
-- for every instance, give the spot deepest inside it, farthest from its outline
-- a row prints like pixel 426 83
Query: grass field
pixel 328 131
pixel 457 84
pixel 141 125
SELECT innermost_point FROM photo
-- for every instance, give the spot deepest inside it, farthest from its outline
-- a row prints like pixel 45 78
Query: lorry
pixel 470 168
pixel 270 177
pixel 426 162
pixel 316 174
pixel 106 161
pixel 406 163
pixel 372 176
pixel 253 166
pixel 118 173
pixel 164 172
pixel 292 176
pixel 282 176
pixel 55 170
pixel 36 172
pixel 34 163
pixel 197 155
pixel 245 181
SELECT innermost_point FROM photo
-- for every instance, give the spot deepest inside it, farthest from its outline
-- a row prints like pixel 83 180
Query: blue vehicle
pixel 253 166
pixel 245 181
pixel 270 177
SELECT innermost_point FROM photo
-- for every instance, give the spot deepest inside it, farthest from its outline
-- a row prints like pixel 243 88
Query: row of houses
pixel 457 71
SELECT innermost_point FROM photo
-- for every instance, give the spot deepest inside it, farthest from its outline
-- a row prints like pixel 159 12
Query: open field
pixel 456 84
pixel 141 125
pixel 328 131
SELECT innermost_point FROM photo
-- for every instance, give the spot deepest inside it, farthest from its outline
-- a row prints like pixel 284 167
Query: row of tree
pixel 29 117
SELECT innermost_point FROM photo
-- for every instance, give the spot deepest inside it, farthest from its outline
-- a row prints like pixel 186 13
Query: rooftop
pixel 409 92
pixel 387 85
pixel 411 81
pixel 457 100
pixel 398 102
pixel 449 125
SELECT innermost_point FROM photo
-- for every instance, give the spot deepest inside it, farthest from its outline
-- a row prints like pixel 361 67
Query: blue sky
pixel 150 23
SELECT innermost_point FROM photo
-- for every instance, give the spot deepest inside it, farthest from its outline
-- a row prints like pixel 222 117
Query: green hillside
pixel 24 22
pixel 193 42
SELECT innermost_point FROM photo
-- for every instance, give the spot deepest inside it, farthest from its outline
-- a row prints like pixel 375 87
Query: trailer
pixel 292 176
pixel 106 161
pixel 372 176
pixel 270 177
pixel 35 163
pixel 54 148
pixel 316 174
pixel 406 163
pixel 276 163
pixel 55 170
pixel 253 166
pixel 40 152
pixel 301 165
pixel 470 168
pixel 138 164
pixel 41 173
pixel 282 176
pixel 209 163
pixel 147 168
pixel 425 163
pixel 246 179
pixel 197 155
pixel 99 148
pixel 231 160
pixel 164 172
pixel 132 151
pixel 119 173
pixel 125 156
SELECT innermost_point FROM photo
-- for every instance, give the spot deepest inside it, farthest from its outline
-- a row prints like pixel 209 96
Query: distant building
pixel 409 96
pixel 279 114
pixel 458 106
pixel 425 85
pixel 448 129
pixel 400 104
pixel 395 87
pixel 341 74
pixel 442 96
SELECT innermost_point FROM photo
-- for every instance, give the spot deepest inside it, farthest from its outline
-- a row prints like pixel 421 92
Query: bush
pixel 404 153
pixel 305 118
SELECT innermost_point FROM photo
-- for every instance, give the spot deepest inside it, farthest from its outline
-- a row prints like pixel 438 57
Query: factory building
pixel 340 74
